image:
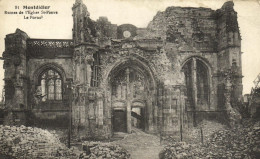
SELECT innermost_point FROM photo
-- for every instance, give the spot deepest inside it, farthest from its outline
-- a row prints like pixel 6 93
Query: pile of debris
pixel 93 150
pixel 254 138
pixel 194 135
pixel 31 143
pixel 27 142
pixel 209 128
pixel 240 142
pixel 177 150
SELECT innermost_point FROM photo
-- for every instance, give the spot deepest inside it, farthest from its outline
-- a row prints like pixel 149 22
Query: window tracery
pixel 51 85
pixel 197 83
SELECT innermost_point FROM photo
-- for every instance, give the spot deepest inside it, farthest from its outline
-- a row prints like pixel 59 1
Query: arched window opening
pixel 202 83
pixel 188 81
pixel 197 83
pixel 51 85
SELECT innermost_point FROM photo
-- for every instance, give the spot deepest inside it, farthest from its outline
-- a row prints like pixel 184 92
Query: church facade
pixel 183 68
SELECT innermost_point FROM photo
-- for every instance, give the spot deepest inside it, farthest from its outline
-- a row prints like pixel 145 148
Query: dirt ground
pixel 140 144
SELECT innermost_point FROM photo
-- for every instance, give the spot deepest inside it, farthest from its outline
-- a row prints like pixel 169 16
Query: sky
pixel 136 12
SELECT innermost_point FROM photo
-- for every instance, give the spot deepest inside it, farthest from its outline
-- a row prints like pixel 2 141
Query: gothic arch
pixel 202 59
pixel 136 62
pixel 197 73
pixel 132 96
pixel 47 66
pixel 205 62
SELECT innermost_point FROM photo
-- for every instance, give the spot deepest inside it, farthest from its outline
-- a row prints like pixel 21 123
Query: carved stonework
pixel 77 57
pixel 114 74
pixel 88 59
pixel 99 94
pixel 40 48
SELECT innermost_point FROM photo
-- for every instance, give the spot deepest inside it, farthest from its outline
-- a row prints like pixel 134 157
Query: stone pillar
pixel 167 108
pixel 77 63
pixel 128 103
pixel 194 88
pixel 16 77
pixel 149 108
pixel 82 117
pixel 155 109
pixel 88 71
pixel 194 81
pixel 99 105
pixel 160 106
pixel 163 109
pixel 183 106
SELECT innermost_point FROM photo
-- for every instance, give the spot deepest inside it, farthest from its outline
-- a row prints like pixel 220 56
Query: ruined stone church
pixel 184 67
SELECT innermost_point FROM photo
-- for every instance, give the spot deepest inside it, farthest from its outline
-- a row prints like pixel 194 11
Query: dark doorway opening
pixel 119 121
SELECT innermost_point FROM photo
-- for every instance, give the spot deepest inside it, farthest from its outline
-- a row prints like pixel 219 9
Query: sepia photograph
pixel 130 79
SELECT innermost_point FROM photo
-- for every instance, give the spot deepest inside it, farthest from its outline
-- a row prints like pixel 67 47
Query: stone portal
pixel 129 93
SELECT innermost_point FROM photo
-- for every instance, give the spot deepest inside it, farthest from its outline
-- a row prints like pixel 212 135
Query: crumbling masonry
pixel 183 68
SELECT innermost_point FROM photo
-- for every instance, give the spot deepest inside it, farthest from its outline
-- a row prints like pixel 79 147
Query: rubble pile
pixel 193 135
pixel 204 130
pixel 239 142
pixel 229 144
pixel 178 150
pixel 93 150
pixel 27 142
pixel 254 139
pixel 210 127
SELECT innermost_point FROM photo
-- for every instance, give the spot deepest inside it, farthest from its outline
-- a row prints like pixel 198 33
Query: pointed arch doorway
pixel 130 89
